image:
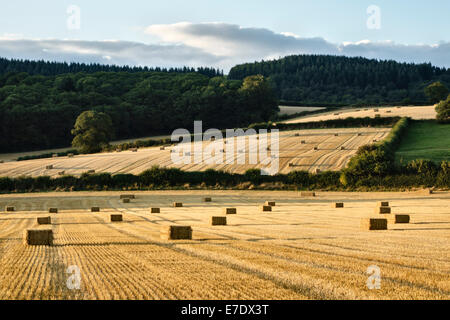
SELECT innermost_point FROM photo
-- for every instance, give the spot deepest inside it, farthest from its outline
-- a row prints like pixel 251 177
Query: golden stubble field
pixel 417 113
pixel 329 155
pixel 304 249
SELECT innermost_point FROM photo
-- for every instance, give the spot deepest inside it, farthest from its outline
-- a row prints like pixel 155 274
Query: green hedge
pixel 375 160
pixel 164 178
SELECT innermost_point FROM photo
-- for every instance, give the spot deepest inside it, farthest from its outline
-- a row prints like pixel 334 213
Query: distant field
pixel 335 148
pixel 303 249
pixel 425 140
pixel 288 110
pixel 417 113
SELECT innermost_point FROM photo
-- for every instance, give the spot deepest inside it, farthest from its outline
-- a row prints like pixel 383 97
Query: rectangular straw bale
pixel 382 210
pixel 95 209
pixel 207 199
pixel 127 196
pixel 10 209
pixel 383 204
pixel 218 221
pixel 374 224
pixel 297 135
pixel 266 208
pixel 307 194
pixel 116 218
pixel 176 233
pixel 177 204
pixel 230 211
pixel 270 203
pixel 50 167
pixel 44 220
pixel 39 237
pixel 155 210
pixel 162 148
pixel 126 200
pixel 338 205
pixel 53 210
pixel 401 218
pixel 303 142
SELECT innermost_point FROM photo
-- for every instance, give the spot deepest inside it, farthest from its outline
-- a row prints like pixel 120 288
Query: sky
pixel 219 33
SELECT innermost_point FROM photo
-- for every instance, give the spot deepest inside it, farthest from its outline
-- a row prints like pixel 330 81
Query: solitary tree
pixel 443 111
pixel 436 92
pixel 93 131
pixel 260 96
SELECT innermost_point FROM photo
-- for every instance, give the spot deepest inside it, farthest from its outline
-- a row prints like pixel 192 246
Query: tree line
pixel 52 68
pixel 325 79
pixel 39 111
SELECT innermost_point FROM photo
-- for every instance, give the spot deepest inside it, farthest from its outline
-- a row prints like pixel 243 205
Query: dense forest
pixel 320 79
pixel 47 68
pixel 38 111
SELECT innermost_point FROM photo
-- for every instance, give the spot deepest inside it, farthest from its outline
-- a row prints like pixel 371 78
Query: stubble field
pixel 303 249
pixel 416 113
pixel 333 154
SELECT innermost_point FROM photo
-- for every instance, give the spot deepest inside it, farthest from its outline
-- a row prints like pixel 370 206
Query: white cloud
pixel 110 51
pixel 214 44
pixel 241 44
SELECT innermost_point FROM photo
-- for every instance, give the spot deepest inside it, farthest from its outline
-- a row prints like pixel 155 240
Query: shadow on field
pixel 421 229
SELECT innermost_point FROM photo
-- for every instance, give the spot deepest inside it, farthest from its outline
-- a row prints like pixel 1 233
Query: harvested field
pixel 417 113
pixel 305 249
pixel 289 110
pixel 333 154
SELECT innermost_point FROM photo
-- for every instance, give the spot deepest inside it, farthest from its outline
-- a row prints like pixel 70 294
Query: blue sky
pixel 413 31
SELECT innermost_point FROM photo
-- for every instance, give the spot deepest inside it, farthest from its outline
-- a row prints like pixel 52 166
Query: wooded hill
pixel 327 80
pixel 39 111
